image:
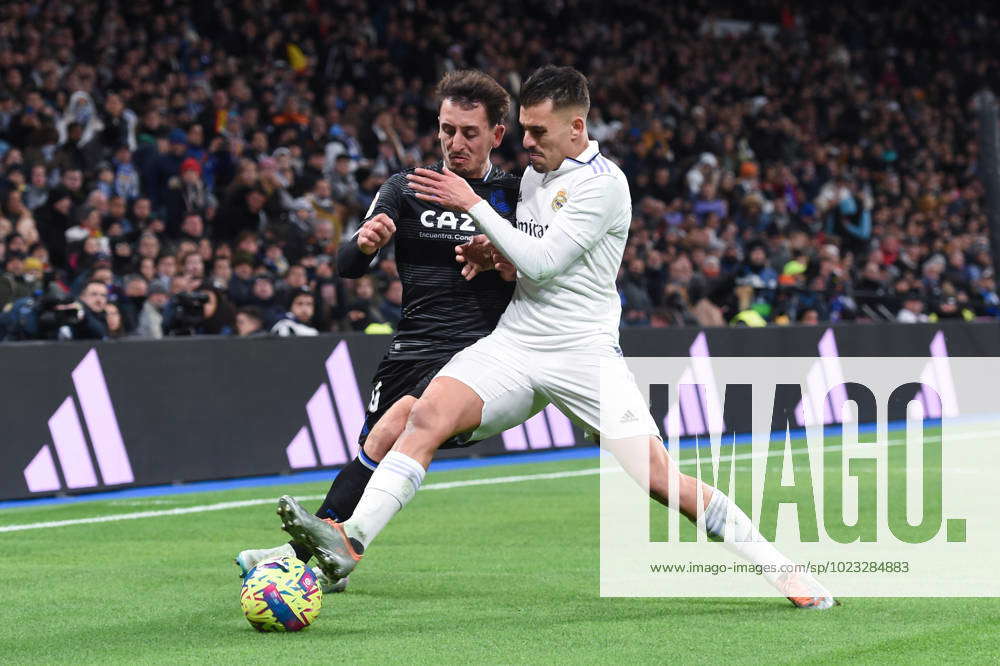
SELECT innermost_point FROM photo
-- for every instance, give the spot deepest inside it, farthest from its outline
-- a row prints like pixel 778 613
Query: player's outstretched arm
pixel 575 229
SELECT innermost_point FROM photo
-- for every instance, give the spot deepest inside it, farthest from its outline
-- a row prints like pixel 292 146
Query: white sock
pixel 393 484
pixel 744 540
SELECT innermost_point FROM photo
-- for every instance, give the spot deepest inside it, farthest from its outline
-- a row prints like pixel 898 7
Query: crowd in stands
pixel 191 167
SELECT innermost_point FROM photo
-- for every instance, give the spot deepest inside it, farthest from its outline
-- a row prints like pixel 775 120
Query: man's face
pixel 302 308
pixel 296 277
pixel 255 201
pixel 243 271
pixel 73 179
pixel 222 270
pixel 95 297
pixel 167 266
pixel 116 208
pixel 193 226
pixel 194 266
pixel 466 138
pixel 549 134
pixel 142 208
pixel 245 324
pixel 63 205
pixel 38 176
pixel 323 230
pixel 136 288
pixel 263 289
pixel 149 246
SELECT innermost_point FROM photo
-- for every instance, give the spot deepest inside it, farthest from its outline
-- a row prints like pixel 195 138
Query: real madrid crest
pixel 560 200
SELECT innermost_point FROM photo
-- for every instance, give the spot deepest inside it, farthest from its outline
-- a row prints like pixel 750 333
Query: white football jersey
pixel 588 199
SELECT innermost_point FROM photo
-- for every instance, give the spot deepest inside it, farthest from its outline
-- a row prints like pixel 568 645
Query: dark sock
pixel 345 491
pixel 341 499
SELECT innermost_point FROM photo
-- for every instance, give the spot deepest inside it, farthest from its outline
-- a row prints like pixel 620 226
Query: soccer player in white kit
pixel 557 341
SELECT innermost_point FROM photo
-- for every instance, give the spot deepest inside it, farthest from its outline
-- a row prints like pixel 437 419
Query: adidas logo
pixel 820 405
pixel 546 429
pixel 70 444
pixel 937 374
pixel 697 408
pixel 628 417
pixel 335 415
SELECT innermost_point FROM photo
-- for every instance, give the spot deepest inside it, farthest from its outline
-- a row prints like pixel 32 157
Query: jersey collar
pixel 588 155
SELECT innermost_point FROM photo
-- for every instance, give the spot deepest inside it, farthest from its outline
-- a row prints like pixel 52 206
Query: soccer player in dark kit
pixel 442 312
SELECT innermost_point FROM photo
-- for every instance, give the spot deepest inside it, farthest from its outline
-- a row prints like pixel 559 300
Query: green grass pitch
pixel 503 573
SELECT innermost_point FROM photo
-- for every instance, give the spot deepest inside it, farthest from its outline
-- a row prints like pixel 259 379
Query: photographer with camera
pixel 56 315
pixel 203 311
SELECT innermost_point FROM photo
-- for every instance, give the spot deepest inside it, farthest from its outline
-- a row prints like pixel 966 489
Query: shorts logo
pixel 560 200
pixel 629 417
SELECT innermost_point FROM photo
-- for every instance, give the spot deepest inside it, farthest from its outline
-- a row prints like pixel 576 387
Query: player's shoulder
pixel 598 167
pixel 600 172
pixel 497 177
pixel 398 180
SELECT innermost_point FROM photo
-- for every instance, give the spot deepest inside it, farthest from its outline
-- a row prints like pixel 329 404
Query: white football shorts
pixel 515 382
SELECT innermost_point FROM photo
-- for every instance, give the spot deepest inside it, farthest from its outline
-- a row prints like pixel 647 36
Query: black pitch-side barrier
pixel 80 417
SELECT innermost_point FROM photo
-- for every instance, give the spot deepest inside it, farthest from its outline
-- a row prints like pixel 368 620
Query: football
pixel 281 595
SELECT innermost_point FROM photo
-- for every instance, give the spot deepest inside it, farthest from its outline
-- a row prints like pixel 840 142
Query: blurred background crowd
pixel 182 167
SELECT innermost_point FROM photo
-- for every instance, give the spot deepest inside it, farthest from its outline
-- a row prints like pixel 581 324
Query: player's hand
pixel 504 267
pixel 445 189
pixel 375 233
pixel 477 255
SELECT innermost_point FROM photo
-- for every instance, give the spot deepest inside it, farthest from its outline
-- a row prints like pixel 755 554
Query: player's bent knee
pixel 388 429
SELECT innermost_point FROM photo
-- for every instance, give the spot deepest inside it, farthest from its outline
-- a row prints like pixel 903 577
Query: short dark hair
pixel 469 88
pixel 565 86
pixel 300 293
pixel 252 311
pixel 90 282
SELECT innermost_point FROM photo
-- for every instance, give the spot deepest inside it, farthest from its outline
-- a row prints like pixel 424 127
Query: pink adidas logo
pixel 69 442
pixel 546 429
pixel 335 439
pixel 336 416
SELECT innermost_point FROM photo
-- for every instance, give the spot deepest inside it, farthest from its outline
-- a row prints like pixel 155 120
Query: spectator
pixel 744 141
pixel 116 326
pixel 912 311
pixel 297 320
pixel 151 315
pixel 264 297
pixel 92 323
pixel 391 308
pixel 249 322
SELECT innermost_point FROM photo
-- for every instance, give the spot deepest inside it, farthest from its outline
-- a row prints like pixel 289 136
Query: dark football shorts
pixel 396 378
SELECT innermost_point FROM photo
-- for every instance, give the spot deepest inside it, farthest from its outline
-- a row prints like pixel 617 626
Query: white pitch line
pixel 220 506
